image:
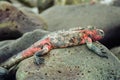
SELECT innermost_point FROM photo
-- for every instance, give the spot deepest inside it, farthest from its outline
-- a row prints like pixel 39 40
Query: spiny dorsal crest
pixel 91 27
pixel 76 28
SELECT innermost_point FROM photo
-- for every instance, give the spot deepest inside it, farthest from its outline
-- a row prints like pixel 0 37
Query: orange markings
pixel 31 51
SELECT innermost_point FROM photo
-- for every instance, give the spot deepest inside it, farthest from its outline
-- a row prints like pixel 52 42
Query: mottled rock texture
pixel 116 51
pixel 64 17
pixel 75 63
pixel 12 47
pixel 101 16
pixel 14 23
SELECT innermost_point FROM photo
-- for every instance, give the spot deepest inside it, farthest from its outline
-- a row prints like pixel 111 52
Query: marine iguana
pixel 57 39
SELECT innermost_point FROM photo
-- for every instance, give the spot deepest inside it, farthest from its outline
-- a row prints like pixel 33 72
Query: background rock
pixel 74 63
pixel 78 62
pixel 64 17
pixel 24 7
pixel 71 2
pixel 30 3
pixel 110 2
pixel 13 22
pixel 10 48
pixel 116 51
pixel 44 4
pixel 100 16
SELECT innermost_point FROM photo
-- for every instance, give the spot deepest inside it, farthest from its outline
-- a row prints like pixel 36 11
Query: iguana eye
pixel 101 32
pixel 90 36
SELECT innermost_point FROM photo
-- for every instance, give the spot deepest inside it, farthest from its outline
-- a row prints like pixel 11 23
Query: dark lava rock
pixel 12 47
pixel 30 3
pixel 74 63
pixel 64 17
pixel 14 23
pixel 100 16
pixel 116 51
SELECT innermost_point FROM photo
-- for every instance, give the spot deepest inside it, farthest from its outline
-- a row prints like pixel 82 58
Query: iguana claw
pixel 101 54
pixel 39 60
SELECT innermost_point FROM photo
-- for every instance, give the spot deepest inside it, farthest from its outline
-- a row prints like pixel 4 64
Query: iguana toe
pixel 39 60
pixel 103 55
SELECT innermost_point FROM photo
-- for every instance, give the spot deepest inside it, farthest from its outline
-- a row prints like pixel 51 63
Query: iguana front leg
pixel 94 48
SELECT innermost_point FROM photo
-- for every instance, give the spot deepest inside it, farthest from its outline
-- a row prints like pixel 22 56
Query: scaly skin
pixel 59 39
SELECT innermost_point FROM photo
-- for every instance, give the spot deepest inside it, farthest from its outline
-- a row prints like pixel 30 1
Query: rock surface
pixel 13 22
pixel 12 47
pixel 101 16
pixel 30 3
pixel 116 51
pixel 71 2
pixel 75 63
pixel 64 17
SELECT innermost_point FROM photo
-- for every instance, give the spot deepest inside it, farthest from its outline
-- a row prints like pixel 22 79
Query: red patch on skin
pixel 86 34
pixel 30 51
pixel 86 38
pixel 96 36
pixel 46 42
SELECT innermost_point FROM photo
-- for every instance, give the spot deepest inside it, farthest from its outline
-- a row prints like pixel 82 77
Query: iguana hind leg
pixel 38 58
pixel 38 55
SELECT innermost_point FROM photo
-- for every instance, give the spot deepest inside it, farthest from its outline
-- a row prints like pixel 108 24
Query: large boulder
pixel 14 22
pixel 64 17
pixel 12 47
pixel 30 3
pixel 74 63
pixel 71 2
pixel 101 16
pixel 116 51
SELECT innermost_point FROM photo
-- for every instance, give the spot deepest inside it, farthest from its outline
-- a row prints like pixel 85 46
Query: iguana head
pixel 96 34
pixel 93 33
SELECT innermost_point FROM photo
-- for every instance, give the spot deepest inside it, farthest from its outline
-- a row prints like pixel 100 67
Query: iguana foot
pixel 102 53
pixel 37 57
pixel 39 60
pixel 3 73
pixel 98 50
